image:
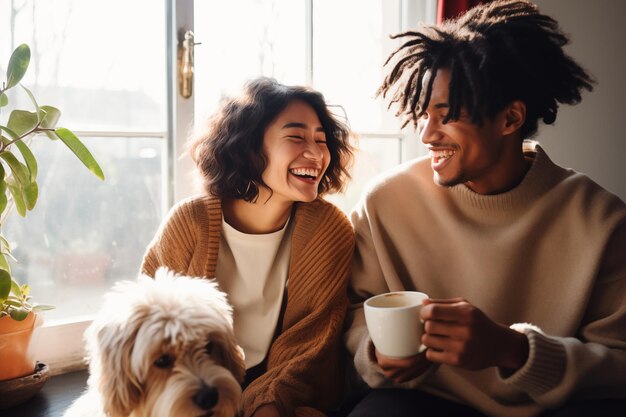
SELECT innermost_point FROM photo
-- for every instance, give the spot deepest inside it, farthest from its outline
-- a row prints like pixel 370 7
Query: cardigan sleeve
pixel 173 244
pixel 305 362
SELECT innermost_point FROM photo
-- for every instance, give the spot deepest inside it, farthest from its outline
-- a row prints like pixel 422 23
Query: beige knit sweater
pixel 304 372
pixel 548 258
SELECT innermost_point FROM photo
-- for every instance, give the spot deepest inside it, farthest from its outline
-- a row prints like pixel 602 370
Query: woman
pixel 280 252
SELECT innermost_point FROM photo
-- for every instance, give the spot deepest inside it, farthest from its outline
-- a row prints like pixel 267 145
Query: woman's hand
pixel 403 369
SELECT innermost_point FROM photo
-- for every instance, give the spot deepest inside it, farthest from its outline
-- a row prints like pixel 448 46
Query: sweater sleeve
pixel 305 367
pixel 366 272
pixel 173 244
pixel 592 364
pixel 367 279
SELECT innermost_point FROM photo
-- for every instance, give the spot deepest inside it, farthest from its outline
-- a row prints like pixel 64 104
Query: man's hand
pixel 404 369
pixel 459 334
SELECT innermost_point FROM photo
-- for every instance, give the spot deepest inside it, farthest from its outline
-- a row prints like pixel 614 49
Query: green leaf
pixel 15 288
pixel 41 113
pixel 20 171
pixel 19 314
pixel 50 121
pixel 22 121
pixel 5 250
pixel 80 150
pixel 4 265
pixel 29 158
pixel 15 303
pixel 18 199
pixel 4 100
pixel 3 198
pixel 25 288
pixel 5 285
pixel 4 243
pixel 43 307
pixel 18 64
pixel 31 192
pixel 12 134
pixel 6 253
pixel 52 117
pixel 3 194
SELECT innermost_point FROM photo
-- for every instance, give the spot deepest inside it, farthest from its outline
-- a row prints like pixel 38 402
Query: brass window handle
pixel 186 65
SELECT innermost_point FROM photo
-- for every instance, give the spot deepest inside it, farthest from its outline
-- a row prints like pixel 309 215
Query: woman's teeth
pixel 305 172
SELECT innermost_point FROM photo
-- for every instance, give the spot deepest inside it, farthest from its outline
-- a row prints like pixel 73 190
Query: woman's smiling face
pixel 294 144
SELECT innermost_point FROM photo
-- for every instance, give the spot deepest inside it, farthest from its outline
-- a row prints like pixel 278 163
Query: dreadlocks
pixel 496 53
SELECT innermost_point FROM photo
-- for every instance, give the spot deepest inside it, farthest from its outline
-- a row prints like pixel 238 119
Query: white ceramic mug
pixel 394 323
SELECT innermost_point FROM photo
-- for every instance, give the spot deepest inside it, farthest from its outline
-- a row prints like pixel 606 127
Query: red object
pixel 448 9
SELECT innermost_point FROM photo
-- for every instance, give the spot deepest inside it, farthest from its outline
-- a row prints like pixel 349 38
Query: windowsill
pixel 54 398
pixel 60 345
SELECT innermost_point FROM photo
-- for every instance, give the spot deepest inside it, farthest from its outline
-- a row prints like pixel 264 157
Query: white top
pixel 252 270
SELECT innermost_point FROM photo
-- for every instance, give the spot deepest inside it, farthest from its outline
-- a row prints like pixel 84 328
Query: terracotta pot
pixel 16 358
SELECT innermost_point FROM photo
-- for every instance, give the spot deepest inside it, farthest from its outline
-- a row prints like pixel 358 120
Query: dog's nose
pixel 206 398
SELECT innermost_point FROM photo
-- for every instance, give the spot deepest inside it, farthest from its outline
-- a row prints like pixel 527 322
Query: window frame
pixel 60 344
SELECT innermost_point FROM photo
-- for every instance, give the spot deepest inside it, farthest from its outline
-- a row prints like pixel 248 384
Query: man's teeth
pixel 440 155
pixel 305 172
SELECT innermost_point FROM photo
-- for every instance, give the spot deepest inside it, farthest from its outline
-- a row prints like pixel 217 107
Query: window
pixel 323 43
pixel 111 67
pixel 268 39
pixel 347 67
pixel 103 65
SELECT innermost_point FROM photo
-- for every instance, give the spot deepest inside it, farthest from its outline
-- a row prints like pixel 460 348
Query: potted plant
pixel 19 190
pixel 18 319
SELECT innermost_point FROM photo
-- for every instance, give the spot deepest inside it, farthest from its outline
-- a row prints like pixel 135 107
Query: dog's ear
pixel 232 356
pixel 238 361
pixel 111 344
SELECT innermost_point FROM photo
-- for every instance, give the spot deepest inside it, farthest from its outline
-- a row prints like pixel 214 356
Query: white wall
pixel 591 137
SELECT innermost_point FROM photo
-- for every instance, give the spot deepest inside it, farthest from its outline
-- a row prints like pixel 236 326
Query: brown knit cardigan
pixel 304 363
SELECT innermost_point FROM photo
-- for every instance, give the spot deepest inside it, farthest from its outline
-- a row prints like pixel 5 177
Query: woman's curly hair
pixel 229 153
pixel 496 53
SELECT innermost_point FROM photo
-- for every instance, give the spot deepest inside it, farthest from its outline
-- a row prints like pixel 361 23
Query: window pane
pixel 374 156
pixel 101 62
pixel 348 57
pixel 244 39
pixel 85 234
pixel 348 54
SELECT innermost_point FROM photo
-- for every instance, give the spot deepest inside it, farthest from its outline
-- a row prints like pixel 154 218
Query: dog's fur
pixel 162 347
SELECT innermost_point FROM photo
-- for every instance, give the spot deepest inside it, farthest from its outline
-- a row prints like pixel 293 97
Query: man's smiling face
pixel 461 151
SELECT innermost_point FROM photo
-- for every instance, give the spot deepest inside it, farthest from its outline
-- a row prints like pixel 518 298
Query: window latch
pixel 185 65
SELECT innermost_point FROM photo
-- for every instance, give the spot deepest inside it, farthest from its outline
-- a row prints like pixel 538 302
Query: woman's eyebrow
pixel 301 126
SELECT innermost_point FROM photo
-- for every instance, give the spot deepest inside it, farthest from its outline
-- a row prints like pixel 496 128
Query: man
pixel 524 261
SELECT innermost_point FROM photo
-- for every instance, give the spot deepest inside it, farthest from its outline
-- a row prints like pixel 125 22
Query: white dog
pixel 162 347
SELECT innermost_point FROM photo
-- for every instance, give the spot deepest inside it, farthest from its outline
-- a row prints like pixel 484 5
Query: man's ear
pixel 514 117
